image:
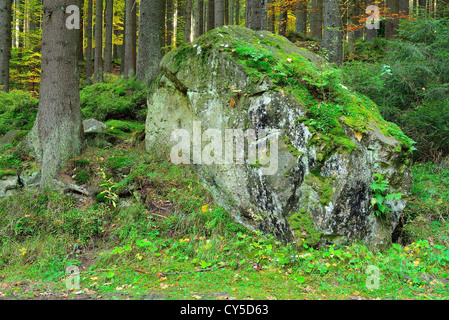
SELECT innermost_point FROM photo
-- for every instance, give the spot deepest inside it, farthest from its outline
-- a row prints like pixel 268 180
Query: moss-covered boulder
pixel 326 142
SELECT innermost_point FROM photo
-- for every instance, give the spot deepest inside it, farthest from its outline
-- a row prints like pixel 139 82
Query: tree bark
pixel 151 39
pixel 283 22
pixel 301 17
pixel 237 12
pixel 392 24
pixel 188 22
pixel 170 19
pixel 98 66
pixel 211 15
pixel 180 22
pixel 332 44
pixel 80 35
pixel 130 38
pixel 271 19
pixel 316 21
pixel 89 64
pixel 58 125
pixel 219 13
pixel 5 43
pixel 257 14
pixel 108 36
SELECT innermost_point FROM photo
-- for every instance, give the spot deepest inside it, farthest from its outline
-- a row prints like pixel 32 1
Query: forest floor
pixel 162 237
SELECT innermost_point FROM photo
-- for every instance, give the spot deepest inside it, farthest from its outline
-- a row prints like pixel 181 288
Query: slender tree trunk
pixel 256 11
pixel 5 43
pixel 188 22
pixel 370 33
pixel 219 13
pixel 271 16
pixel 237 12
pixel 180 22
pixel 392 24
pixel 109 12
pixel 316 21
pixel 98 66
pixel 332 44
pixel 200 17
pixel 130 38
pixel 351 27
pixel 283 21
pixel 79 33
pixel 151 39
pixel 301 17
pixel 58 125
pixel 231 12
pixel 211 15
pixel 170 19
pixel 89 64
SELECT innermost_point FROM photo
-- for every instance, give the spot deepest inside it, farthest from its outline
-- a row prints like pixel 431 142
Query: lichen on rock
pixel 331 141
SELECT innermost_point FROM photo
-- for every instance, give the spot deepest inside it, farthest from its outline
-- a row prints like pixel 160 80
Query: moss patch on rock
pixel 303 228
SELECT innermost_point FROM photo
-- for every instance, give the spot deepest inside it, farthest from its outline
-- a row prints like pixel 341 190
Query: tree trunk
pixel 404 7
pixel 211 15
pixel 283 21
pixel 151 39
pixel 79 33
pixel 231 12
pixel 257 14
pixel 170 19
pixel 180 22
pixel 316 21
pixel 58 125
pixel 200 17
pixel 219 13
pixel 188 22
pixel 332 44
pixel 271 16
pixel 392 24
pixel 89 65
pixel 5 43
pixel 130 38
pixel 108 36
pixel 301 17
pixel 237 12
pixel 98 67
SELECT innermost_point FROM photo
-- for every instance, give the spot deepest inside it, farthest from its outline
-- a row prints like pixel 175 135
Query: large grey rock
pixel 92 125
pixel 9 181
pixel 320 188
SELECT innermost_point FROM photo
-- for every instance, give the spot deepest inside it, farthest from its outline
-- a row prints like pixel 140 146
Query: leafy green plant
pixel 380 188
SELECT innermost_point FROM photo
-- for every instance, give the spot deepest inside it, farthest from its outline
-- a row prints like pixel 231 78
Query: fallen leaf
pixel 197 297
pixel 358 135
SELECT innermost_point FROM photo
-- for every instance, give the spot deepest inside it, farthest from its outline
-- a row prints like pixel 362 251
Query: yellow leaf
pixel 204 208
pixel 138 256
pixel 358 135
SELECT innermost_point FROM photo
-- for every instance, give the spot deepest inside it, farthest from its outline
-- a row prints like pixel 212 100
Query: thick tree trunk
pixel 89 64
pixel 211 15
pixel 58 126
pixel 98 66
pixel 5 43
pixel 108 36
pixel 151 39
pixel 301 17
pixel 257 14
pixel 130 38
pixel 404 7
pixel 316 22
pixel 392 24
pixel 332 44
pixel 188 22
pixel 219 13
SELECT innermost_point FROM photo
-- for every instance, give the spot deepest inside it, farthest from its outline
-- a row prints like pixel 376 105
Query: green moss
pixel 4 173
pixel 304 229
pixel 322 185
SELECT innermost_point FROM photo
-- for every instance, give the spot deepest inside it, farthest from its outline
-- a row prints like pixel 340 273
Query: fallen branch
pixel 188 272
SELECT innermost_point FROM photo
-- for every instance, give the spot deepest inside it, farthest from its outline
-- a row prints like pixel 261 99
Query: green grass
pixel 166 228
